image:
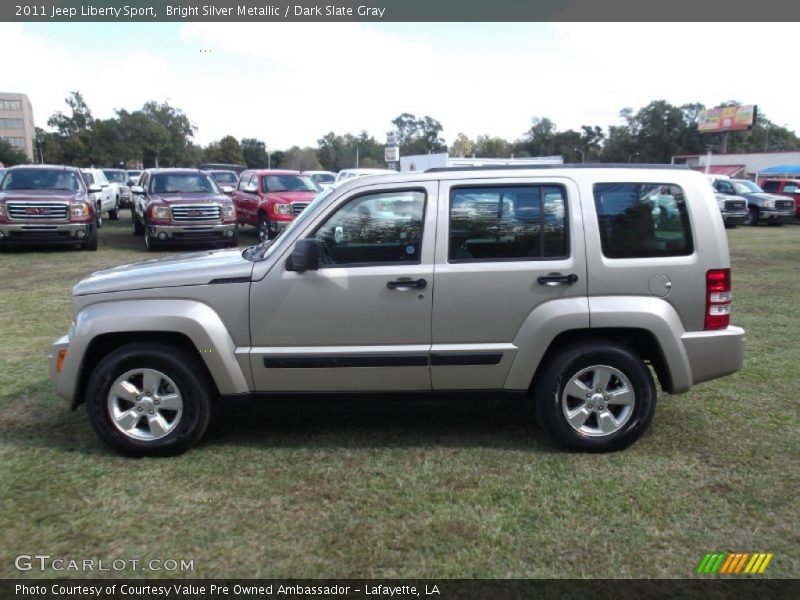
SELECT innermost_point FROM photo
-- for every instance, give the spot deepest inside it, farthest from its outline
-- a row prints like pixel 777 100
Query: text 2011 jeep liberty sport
pixel 566 284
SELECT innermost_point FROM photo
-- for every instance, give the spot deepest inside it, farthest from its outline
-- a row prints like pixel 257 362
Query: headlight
pixel 283 209
pixel 769 203
pixel 159 212
pixel 229 212
pixel 80 209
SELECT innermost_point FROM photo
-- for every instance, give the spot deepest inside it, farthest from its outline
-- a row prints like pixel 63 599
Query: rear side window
pixel 642 220
pixel 508 223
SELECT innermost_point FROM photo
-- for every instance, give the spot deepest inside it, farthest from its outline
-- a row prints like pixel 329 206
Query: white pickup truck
pixel 107 199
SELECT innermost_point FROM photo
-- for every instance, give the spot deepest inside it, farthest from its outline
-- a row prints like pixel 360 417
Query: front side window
pixel 641 220
pixel 89 178
pixel 380 228
pixel 508 223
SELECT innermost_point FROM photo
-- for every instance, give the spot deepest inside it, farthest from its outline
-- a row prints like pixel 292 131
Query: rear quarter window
pixel 643 220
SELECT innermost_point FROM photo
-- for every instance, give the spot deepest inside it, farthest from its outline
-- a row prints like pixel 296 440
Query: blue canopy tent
pixel 787 171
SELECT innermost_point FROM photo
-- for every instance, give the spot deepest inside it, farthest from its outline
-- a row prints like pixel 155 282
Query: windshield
pixel 116 176
pixel 264 249
pixel 746 187
pixel 183 183
pixel 323 178
pixel 288 183
pixel 225 176
pixel 41 179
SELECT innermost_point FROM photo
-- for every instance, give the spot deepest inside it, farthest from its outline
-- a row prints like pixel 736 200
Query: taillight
pixel 718 298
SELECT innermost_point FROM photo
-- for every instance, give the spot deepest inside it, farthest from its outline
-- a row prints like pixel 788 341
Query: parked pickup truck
pixel 733 209
pixel 770 208
pixel 785 187
pixel 555 284
pixel 44 204
pixel 270 199
pixel 182 206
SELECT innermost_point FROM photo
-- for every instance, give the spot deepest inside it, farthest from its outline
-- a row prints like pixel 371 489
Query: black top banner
pixel 149 11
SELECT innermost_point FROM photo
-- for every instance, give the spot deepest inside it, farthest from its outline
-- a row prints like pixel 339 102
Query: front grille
pixel 195 213
pixel 784 204
pixel 37 211
pixel 298 207
pixel 735 205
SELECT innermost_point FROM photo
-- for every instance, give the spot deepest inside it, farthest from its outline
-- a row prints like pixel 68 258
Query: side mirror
pixel 137 189
pixel 103 185
pixel 94 188
pixel 305 256
pixel 226 189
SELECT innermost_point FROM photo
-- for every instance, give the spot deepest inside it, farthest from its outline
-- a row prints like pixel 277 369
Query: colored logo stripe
pixel 734 563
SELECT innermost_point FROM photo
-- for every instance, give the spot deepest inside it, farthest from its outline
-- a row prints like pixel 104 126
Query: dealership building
pixel 745 165
pixel 16 122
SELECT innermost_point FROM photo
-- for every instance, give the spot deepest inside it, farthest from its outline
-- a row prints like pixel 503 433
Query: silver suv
pixel 571 286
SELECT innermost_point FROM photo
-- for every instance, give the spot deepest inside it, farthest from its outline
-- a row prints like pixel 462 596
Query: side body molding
pixel 197 321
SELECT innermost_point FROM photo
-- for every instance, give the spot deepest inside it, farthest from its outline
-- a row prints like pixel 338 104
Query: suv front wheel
pixel 149 400
pixel 595 396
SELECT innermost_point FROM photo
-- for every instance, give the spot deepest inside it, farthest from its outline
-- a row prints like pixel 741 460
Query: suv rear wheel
pixel 595 396
pixel 149 400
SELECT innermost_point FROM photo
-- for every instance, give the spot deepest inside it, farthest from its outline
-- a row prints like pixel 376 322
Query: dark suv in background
pixel 182 206
pixel 43 204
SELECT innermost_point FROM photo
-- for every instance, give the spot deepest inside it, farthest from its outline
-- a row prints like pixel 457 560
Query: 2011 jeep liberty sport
pixel 568 284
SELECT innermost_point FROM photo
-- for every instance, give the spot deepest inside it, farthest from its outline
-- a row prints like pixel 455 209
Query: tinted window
pixel 640 220
pixel 508 223
pixel 225 177
pixel 89 178
pixel 770 186
pixel 374 229
pixel 183 183
pixel 288 183
pixel 41 179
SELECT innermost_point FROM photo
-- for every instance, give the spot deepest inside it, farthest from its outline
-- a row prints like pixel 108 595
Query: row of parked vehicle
pixel 57 204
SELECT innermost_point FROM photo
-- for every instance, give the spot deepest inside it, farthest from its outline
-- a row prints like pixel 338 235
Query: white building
pixel 16 122
pixel 423 162
pixel 737 165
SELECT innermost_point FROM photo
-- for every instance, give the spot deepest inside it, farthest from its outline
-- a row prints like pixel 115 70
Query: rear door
pixel 504 247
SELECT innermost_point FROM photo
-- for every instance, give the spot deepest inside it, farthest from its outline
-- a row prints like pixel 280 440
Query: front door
pixel 362 322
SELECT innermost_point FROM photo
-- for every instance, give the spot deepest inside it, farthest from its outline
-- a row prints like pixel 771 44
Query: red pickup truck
pixel 784 187
pixel 271 199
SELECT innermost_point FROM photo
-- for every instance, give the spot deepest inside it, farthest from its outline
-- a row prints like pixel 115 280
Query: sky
pixel 291 83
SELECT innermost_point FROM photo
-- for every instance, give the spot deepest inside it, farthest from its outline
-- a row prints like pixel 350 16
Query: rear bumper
pixel 713 354
pixel 41 233
pixel 193 234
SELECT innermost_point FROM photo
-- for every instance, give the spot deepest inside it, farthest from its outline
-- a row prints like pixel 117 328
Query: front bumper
pixel 734 218
pixel 193 234
pixel 776 216
pixel 713 354
pixel 46 233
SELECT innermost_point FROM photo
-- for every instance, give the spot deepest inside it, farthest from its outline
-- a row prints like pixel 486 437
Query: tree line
pixel 162 135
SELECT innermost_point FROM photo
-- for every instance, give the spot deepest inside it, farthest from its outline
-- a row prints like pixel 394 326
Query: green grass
pixel 412 488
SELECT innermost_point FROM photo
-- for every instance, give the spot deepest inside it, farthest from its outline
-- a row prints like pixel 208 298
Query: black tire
pixel 188 376
pixel 150 243
pixel 550 402
pixel 92 243
pixel 264 230
pixel 138 228
pixel 234 241
pixel 753 216
pixel 98 216
pixel 113 214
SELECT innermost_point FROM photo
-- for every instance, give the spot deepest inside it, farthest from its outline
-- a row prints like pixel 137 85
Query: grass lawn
pixel 414 488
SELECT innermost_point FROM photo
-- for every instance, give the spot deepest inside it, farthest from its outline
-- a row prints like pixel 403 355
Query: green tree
pixel 255 153
pixel 301 159
pixel 10 156
pixel 227 150
pixel 462 146
pixel 418 136
pixel 492 147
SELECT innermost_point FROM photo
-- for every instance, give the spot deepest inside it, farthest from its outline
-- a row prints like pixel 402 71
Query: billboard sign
pixel 727 118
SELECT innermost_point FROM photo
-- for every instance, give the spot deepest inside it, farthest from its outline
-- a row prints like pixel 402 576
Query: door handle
pixel 557 279
pixel 400 284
